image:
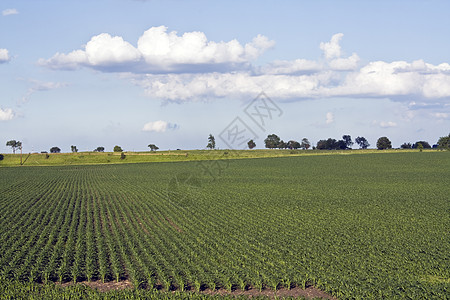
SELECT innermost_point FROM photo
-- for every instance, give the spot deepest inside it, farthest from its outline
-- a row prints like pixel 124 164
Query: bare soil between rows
pixel 309 293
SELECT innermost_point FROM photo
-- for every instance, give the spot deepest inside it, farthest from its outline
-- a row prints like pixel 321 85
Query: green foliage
pixel 444 142
pixel 153 147
pixel 251 144
pixel 117 149
pixel 122 155
pixel 263 224
pixel 383 143
pixel 14 145
pixel 1 157
pixel 406 146
pixel 362 142
pixel 419 146
pixel 211 142
pixel 424 144
pixel 74 149
pixel 293 144
pixel 305 145
pixel 55 150
pixel 272 141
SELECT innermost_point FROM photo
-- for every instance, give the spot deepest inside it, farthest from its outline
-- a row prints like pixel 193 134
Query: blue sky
pixel 133 73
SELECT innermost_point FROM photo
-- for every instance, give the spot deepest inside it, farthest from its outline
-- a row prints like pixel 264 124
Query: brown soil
pixel 309 293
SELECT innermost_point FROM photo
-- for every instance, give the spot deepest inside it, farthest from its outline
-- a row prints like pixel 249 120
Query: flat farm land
pixel 372 226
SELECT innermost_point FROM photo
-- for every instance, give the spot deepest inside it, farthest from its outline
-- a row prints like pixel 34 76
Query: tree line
pixel 273 141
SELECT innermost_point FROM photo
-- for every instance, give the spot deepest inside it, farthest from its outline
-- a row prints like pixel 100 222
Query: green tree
pixel 251 144
pixel 347 141
pixel 272 141
pixel 117 149
pixel 153 147
pixel 362 142
pixel 99 149
pixel 329 144
pixel 55 150
pixel 406 146
pixel 425 145
pixel 211 142
pixel 305 144
pixel 293 144
pixel 14 145
pixel 444 142
pixel 384 143
pixel 74 149
pixel 282 145
pixel 419 146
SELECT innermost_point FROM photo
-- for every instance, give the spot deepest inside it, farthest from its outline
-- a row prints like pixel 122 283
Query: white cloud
pixel 186 67
pixel 345 64
pixel 329 118
pixel 159 126
pixel 4 56
pixel 159 51
pixel 332 49
pixel 6 114
pixel 10 11
pixel 388 124
pixel 440 115
pixel 284 67
pixel 39 86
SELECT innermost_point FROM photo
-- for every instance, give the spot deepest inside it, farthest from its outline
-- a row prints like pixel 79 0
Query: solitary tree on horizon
pixel 153 147
pixel 251 144
pixel 211 142
pixel 55 150
pixel 14 145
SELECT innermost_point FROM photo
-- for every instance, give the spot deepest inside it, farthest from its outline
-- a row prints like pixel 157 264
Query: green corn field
pixel 366 226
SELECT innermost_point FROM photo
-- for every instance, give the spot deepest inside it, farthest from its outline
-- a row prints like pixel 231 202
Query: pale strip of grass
pixel 89 158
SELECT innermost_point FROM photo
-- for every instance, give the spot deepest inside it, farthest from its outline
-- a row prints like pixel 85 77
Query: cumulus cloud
pixel 10 11
pixel 6 114
pixel 188 66
pixel 387 124
pixel 329 118
pixel 4 56
pixel 159 51
pixel 332 49
pixel 159 126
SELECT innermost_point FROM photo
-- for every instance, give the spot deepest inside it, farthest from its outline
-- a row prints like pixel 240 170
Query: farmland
pixel 355 226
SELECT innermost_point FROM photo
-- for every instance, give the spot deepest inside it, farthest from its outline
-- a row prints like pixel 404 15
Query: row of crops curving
pixel 355 226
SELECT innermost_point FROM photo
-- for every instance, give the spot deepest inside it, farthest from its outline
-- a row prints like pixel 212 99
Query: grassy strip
pixel 89 158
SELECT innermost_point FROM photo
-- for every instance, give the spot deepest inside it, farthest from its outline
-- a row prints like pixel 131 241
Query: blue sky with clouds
pixel 133 73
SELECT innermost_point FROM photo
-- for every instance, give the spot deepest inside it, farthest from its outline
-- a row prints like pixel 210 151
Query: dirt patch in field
pixel 103 286
pixel 309 293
